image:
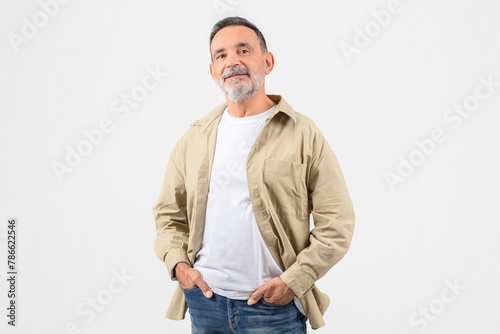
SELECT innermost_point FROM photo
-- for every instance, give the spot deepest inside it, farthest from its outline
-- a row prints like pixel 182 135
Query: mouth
pixel 237 75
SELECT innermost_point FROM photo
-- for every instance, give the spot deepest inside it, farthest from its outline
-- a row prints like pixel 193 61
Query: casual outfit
pixel 230 223
pixel 235 204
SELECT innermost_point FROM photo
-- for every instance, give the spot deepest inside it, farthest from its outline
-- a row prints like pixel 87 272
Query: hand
pixel 274 291
pixel 189 277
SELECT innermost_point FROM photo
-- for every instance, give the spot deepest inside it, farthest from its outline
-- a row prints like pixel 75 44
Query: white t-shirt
pixel 234 260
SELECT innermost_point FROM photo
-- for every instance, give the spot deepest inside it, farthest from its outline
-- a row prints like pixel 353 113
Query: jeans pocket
pixel 274 305
pixel 190 289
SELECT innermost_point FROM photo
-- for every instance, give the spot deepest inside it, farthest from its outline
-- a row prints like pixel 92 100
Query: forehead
pixel 231 36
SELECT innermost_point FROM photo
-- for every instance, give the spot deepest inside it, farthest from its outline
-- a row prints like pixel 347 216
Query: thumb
pixel 205 288
pixel 258 294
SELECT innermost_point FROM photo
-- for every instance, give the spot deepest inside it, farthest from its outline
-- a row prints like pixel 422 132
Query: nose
pixel 232 59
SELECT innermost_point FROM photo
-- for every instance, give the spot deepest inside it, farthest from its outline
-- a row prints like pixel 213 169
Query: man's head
pixel 240 59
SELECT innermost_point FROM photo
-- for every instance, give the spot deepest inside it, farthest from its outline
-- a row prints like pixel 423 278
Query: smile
pixel 235 76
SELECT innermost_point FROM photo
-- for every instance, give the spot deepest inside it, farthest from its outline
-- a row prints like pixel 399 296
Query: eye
pixel 244 51
pixel 219 56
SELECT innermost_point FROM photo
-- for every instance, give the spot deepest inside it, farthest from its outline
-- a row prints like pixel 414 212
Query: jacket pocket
pixel 284 182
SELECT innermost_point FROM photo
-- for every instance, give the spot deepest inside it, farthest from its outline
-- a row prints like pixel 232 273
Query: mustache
pixel 235 70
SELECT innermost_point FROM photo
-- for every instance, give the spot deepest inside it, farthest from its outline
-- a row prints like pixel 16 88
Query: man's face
pixel 238 64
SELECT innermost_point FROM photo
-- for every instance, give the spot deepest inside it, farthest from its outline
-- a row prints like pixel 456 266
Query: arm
pixel 333 217
pixel 172 229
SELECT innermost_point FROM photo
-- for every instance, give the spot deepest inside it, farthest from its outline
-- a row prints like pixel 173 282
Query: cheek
pixel 219 70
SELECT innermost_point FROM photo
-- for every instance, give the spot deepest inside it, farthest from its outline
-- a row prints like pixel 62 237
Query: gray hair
pixel 238 21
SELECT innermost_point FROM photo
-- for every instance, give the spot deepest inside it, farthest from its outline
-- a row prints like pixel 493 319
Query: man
pixel 232 219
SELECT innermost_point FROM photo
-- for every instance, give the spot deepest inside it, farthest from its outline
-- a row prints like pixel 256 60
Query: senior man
pixel 232 219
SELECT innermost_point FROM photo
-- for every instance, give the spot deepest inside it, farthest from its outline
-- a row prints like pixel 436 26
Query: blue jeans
pixel 224 315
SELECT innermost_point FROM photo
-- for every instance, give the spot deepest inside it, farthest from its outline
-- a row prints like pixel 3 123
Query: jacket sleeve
pixel 172 229
pixel 333 216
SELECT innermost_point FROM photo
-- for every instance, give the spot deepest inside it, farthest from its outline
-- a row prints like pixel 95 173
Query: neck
pixel 257 104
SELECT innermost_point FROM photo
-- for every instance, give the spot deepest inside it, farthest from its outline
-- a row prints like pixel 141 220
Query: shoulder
pixel 301 122
pixel 309 129
pixel 305 122
pixel 206 119
pixel 198 127
pixel 313 138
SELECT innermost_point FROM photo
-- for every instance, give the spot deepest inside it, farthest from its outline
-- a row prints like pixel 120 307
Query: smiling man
pixel 232 219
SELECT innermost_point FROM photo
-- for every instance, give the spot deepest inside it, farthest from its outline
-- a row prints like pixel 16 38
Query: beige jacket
pixel 292 172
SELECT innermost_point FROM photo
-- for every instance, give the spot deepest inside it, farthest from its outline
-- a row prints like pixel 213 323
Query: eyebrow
pixel 244 44
pixel 237 45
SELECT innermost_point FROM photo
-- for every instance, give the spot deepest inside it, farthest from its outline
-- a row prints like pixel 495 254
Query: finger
pixel 258 294
pixel 200 282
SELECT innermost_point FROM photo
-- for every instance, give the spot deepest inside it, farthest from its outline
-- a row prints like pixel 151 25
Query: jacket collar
pixel 282 106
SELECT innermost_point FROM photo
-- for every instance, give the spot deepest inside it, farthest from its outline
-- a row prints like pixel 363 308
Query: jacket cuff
pixel 298 280
pixel 172 258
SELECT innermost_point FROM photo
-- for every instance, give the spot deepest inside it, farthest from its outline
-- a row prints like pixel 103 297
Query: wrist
pixel 290 290
pixel 181 267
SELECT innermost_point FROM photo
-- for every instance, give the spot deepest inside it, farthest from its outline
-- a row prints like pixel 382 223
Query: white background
pixel 440 225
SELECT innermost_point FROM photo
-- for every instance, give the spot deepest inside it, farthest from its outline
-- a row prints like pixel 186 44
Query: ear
pixel 212 71
pixel 269 62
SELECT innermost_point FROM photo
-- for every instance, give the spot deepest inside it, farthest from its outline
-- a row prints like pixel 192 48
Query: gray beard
pixel 242 91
